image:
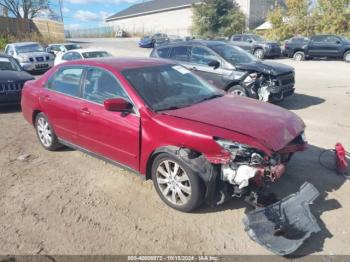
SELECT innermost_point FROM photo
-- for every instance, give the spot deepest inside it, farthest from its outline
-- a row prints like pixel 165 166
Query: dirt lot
pixel 70 203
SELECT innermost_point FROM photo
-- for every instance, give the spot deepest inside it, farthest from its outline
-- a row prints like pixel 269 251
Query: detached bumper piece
pixel 284 226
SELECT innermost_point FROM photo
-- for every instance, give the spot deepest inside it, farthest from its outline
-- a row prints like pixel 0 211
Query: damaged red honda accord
pixel 165 123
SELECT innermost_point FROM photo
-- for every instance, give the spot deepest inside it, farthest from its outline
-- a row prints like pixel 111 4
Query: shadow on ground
pixel 300 101
pixel 304 167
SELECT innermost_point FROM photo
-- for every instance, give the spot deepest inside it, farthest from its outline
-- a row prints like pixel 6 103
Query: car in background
pixel 80 54
pixel 12 79
pixel 155 40
pixel 320 46
pixel 31 56
pixel 61 48
pixel 289 45
pixel 164 123
pixel 257 45
pixel 232 69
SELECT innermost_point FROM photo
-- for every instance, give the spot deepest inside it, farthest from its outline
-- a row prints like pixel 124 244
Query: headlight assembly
pixel 22 59
pixel 236 75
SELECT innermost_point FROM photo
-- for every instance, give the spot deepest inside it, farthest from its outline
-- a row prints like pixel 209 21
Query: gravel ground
pixel 69 203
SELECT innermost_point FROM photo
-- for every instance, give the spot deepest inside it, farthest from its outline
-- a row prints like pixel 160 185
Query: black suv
pixel 232 69
pixel 257 45
pixel 329 46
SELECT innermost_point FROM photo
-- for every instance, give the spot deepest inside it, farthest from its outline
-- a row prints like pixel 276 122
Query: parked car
pixel 257 45
pixel 12 79
pixel 329 46
pixel 80 54
pixel 232 69
pixel 31 56
pixel 291 44
pixel 61 48
pixel 155 40
pixel 163 122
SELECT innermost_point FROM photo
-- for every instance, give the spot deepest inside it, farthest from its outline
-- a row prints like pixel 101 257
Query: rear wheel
pixel 176 183
pixel 45 133
pixel 259 53
pixel 299 56
pixel 347 57
pixel 238 91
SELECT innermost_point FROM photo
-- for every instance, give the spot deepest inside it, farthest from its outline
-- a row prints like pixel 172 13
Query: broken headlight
pixel 241 153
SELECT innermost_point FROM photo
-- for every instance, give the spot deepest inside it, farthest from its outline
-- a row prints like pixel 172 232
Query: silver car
pixel 31 56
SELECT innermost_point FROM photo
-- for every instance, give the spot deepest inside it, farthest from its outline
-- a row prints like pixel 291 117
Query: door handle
pixel 85 111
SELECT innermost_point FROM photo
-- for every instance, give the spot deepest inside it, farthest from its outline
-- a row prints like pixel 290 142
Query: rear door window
pixel 237 38
pixel 319 39
pixel 66 81
pixel 180 53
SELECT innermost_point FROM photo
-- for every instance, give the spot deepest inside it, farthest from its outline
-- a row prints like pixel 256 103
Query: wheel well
pixel 173 150
pixel 347 50
pixel 298 50
pixel 257 48
pixel 35 113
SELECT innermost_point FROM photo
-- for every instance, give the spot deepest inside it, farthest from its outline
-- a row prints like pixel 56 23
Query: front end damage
pixel 280 226
pixel 267 87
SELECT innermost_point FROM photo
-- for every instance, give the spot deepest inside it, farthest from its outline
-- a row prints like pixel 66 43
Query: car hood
pixel 15 76
pixel 271 125
pixel 146 40
pixel 34 54
pixel 272 68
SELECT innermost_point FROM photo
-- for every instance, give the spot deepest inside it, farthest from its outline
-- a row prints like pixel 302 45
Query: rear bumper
pixel 274 52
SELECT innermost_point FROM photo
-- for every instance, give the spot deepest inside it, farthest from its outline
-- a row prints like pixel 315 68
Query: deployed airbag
pixel 284 226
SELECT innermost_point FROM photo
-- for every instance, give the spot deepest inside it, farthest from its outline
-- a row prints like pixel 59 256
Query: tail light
pixel 340 158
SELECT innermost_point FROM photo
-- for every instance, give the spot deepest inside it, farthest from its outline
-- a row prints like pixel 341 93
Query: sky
pixel 90 13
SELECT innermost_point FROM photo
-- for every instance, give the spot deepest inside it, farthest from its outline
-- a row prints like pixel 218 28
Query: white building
pixel 174 17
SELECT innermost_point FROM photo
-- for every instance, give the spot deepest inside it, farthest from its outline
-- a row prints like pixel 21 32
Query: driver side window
pixel 100 85
pixel 202 56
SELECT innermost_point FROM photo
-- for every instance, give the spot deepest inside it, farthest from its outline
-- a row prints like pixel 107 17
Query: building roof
pixel 150 7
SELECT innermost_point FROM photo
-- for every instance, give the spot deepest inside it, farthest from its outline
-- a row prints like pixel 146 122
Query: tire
pixel 183 191
pixel 299 56
pixel 45 133
pixel 259 53
pixel 238 91
pixel 347 57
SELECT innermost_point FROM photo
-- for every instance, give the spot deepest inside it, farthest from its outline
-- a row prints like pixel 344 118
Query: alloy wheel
pixel 44 132
pixel 347 58
pixel 173 183
pixel 238 93
pixel 259 54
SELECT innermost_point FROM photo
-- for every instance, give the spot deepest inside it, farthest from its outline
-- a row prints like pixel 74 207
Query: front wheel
pixel 45 133
pixel 176 183
pixel 299 56
pixel 347 57
pixel 238 91
pixel 259 53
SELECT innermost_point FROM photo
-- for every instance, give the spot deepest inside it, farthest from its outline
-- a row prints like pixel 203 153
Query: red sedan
pixel 166 124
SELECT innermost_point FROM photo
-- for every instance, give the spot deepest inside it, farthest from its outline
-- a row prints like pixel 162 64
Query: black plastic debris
pixel 284 226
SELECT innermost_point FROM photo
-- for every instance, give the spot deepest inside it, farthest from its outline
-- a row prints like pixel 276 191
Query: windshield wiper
pixel 210 97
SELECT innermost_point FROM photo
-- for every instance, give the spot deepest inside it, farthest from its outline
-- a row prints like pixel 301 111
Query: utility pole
pixel 60 3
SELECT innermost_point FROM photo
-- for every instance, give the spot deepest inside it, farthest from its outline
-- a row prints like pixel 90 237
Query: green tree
pixel 217 17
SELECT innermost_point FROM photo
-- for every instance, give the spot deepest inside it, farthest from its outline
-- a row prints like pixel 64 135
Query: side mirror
pixel 338 42
pixel 11 53
pixel 118 105
pixel 214 63
pixel 250 41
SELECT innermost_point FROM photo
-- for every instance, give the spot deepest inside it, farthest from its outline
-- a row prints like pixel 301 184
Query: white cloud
pixel 85 16
pixel 65 10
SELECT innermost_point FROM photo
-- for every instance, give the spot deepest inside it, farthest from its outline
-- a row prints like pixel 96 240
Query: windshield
pixel 169 87
pixel 9 64
pixel 346 39
pixel 29 48
pixel 72 47
pixel 96 54
pixel 257 38
pixel 233 54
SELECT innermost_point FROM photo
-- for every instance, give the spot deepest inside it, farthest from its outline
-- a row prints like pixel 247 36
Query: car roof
pixel 208 43
pixel 86 50
pixel 121 63
pixel 24 43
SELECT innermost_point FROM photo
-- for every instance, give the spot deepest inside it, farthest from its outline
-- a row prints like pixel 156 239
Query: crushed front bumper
pixel 284 226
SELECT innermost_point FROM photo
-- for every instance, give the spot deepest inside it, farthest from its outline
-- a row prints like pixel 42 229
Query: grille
pixel 10 87
pixel 286 80
pixel 39 59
